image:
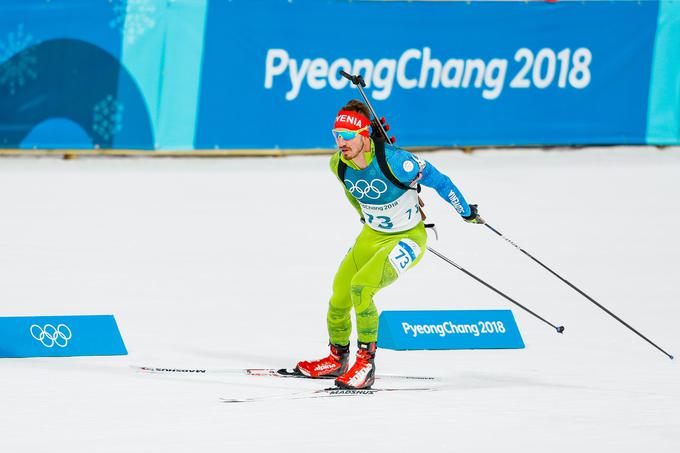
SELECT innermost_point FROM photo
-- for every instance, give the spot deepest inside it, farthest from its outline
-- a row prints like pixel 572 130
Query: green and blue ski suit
pixel 393 238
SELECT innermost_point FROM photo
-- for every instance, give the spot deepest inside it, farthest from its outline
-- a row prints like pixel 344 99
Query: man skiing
pixel 380 181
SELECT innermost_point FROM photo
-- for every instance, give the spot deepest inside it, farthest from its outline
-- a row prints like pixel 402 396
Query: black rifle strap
pixel 342 168
pixel 384 167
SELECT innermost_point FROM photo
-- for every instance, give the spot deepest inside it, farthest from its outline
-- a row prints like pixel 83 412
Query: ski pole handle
pixel 355 79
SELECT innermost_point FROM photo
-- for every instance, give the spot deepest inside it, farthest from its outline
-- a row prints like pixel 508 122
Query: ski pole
pixel 559 329
pixel 577 290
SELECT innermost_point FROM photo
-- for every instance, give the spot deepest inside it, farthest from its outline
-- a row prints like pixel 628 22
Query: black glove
pixel 474 216
pixel 375 130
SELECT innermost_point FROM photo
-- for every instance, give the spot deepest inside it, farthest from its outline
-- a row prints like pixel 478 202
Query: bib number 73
pixel 380 221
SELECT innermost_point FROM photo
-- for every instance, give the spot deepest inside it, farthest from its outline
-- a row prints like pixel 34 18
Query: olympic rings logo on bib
pixel 363 188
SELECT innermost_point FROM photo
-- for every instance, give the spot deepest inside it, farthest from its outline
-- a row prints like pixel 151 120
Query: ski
pixel 331 392
pixel 270 372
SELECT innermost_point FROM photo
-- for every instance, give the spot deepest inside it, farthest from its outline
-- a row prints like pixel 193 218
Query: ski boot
pixel 334 365
pixel 362 373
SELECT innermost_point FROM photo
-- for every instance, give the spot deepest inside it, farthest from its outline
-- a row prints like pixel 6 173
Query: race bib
pixel 399 215
pixel 403 255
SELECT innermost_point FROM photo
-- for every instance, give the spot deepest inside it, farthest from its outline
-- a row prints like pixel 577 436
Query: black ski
pixel 331 392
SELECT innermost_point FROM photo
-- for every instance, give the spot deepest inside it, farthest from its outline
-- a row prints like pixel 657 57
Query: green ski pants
pixel 375 261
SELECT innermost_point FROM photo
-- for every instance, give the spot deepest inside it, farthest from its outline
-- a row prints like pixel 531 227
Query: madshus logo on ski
pixel 171 370
pixel 331 392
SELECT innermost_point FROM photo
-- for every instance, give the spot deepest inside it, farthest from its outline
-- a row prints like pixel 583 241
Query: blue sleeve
pixel 410 169
pixel 431 177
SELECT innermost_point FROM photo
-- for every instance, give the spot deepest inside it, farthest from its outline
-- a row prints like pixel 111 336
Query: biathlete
pixel 380 181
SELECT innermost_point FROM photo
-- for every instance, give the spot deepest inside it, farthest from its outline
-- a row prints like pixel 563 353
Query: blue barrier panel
pixel 451 329
pixel 60 336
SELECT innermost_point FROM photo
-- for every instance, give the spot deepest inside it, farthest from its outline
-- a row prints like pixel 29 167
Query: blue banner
pixel 454 329
pixel 199 74
pixel 443 73
pixel 60 336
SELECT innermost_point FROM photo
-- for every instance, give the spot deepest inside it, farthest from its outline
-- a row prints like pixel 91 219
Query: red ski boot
pixel 334 365
pixel 362 374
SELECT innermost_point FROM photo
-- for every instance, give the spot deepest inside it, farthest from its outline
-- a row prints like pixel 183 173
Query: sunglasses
pixel 347 134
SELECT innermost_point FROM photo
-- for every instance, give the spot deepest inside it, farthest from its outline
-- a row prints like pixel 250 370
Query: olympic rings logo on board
pixel 50 335
pixel 363 188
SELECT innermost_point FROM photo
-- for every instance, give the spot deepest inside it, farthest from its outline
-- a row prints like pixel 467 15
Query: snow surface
pixel 228 263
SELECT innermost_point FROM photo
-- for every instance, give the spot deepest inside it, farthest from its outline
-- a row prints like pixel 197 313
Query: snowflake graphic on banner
pixel 19 70
pixel 133 18
pixel 108 118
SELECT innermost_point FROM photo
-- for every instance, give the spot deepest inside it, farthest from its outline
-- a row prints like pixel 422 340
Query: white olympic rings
pixel 363 188
pixel 50 335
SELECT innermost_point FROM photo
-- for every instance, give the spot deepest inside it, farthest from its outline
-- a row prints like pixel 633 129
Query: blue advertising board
pixel 60 336
pixel 449 329
pixel 443 73
pixel 61 80
pixel 253 74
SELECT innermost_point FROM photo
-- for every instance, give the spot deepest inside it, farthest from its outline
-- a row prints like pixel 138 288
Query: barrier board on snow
pixel 449 329
pixel 60 336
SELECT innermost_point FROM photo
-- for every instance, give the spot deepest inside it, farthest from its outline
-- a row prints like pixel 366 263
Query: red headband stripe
pixel 352 121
